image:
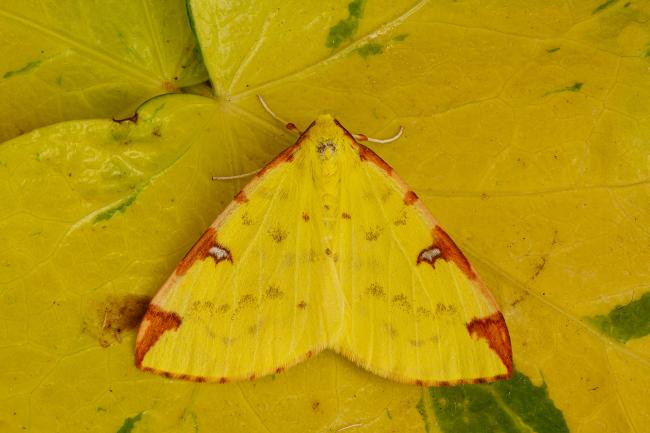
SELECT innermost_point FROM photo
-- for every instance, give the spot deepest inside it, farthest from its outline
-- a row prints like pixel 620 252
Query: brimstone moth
pixel 326 248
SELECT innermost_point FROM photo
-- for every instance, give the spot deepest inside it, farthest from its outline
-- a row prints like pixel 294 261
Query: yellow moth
pixel 326 248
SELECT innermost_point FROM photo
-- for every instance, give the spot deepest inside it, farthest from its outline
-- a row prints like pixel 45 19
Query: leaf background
pixel 83 59
pixel 526 135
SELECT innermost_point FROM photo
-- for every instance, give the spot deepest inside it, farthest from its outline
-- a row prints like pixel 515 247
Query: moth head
pixel 327 137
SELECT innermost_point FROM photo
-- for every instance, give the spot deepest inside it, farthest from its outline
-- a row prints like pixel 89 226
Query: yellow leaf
pixel 76 59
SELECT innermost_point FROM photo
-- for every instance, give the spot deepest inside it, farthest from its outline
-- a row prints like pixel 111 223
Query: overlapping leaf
pixel 525 134
pixel 77 59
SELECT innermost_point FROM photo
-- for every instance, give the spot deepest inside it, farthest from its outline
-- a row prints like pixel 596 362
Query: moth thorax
pixel 327 153
pixel 326 149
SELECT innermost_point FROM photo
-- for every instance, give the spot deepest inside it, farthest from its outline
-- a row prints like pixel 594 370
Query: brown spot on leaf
pixel 494 330
pixel 410 197
pixel 279 369
pixel 308 354
pixel 305 216
pixel 346 216
pixel 444 247
pixel 539 267
pixel 114 315
pixel 223 380
pixel 328 251
pixel 302 305
pixel 315 405
pixel 155 323
pixel 251 377
pixel 419 383
pixel 170 87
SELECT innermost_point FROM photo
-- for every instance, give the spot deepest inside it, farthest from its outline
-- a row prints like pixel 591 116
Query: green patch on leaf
pixel 601 7
pixel 625 322
pixel 370 49
pixel 155 113
pixel 512 406
pixel 28 67
pixel 388 414
pixel 575 87
pixel 420 406
pixel 552 50
pixel 346 28
pixel 120 207
pixel 129 423
pixel 401 37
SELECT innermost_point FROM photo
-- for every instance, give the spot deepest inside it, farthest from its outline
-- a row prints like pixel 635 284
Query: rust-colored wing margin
pixel 494 330
pixel 154 324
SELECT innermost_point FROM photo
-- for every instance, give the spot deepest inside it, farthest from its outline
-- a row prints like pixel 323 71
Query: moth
pixel 325 248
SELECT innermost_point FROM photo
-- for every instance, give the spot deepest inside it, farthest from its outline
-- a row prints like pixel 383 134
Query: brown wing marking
pixel 207 245
pixel 410 197
pixel 365 153
pixel 493 329
pixel 286 155
pixel 154 324
pixel 443 247
pixel 241 197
